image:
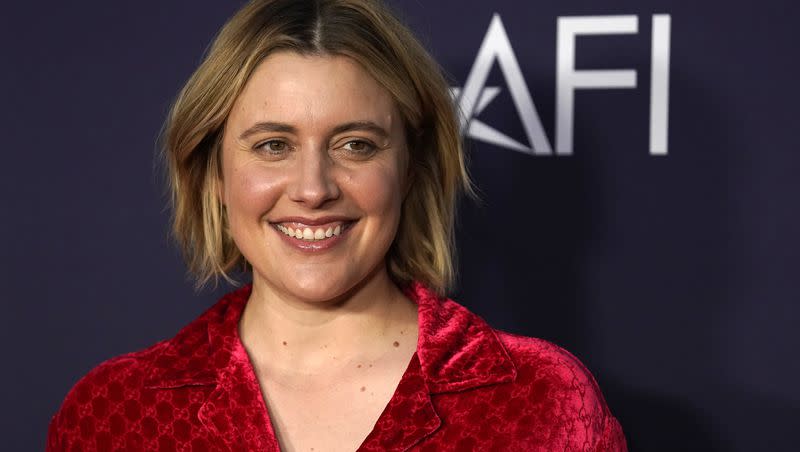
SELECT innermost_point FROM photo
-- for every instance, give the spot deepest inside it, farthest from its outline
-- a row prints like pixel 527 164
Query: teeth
pixel 310 234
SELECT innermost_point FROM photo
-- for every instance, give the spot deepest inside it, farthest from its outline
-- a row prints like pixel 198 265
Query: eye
pixel 273 146
pixel 360 147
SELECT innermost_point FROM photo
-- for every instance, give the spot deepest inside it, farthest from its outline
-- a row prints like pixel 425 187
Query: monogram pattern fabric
pixel 468 387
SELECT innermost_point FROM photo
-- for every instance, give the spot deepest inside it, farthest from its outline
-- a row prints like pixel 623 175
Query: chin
pixel 319 288
pixel 317 283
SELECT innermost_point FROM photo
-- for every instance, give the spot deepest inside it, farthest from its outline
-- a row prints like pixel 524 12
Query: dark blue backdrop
pixel 672 277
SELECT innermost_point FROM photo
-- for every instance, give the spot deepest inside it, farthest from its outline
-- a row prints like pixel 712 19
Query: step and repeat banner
pixel 637 164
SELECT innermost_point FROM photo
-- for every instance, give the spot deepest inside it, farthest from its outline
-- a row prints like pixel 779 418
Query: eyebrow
pixel 365 126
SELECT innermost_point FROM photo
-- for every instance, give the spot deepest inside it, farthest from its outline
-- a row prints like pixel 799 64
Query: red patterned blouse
pixel 467 388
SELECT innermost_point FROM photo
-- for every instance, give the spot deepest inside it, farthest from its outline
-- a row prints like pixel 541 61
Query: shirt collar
pixel 456 350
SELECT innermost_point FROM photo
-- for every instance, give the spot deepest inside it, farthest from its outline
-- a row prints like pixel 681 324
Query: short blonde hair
pixel 367 32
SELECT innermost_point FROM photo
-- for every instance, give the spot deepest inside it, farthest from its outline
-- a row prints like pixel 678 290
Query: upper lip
pixel 313 221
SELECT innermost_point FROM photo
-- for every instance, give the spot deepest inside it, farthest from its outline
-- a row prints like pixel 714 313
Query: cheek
pixel 250 192
pixel 378 192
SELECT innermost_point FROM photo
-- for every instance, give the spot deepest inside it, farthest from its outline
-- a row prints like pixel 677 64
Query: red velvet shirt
pixel 468 387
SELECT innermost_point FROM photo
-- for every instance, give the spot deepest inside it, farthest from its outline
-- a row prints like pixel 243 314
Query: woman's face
pixel 314 166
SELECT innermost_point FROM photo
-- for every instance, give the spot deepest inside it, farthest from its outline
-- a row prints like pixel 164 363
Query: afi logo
pixel 496 46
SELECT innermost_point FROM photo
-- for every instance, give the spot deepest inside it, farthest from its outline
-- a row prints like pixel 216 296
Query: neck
pixel 317 337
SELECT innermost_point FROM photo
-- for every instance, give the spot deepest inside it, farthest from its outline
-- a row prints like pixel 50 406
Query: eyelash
pixel 370 148
pixel 263 146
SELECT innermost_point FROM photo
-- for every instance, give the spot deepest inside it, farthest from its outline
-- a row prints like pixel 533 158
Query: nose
pixel 313 183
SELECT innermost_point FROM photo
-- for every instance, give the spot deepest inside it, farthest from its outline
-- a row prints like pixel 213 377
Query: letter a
pixel 496 46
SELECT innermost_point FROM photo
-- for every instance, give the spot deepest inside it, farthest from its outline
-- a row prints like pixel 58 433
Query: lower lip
pixel 315 246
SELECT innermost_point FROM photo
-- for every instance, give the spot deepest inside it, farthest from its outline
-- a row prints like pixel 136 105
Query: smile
pixel 313 233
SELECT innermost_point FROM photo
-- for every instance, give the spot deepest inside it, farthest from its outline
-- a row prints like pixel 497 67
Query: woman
pixel 317 147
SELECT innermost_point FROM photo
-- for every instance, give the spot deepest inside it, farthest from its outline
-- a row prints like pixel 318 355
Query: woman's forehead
pixel 312 90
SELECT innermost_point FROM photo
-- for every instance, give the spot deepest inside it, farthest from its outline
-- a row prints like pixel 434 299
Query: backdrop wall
pixel 648 227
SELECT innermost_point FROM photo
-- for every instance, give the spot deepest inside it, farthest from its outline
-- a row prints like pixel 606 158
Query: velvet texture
pixel 467 388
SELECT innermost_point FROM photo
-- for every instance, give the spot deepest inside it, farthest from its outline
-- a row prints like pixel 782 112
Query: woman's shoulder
pixel 541 362
pixel 130 369
pixel 115 388
pixel 127 369
pixel 560 384
pixel 94 396
pixel 531 352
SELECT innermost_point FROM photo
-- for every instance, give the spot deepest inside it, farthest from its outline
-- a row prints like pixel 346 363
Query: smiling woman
pixel 317 148
pixel 304 153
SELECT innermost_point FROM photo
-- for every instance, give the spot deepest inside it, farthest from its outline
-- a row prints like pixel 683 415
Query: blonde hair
pixel 367 32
